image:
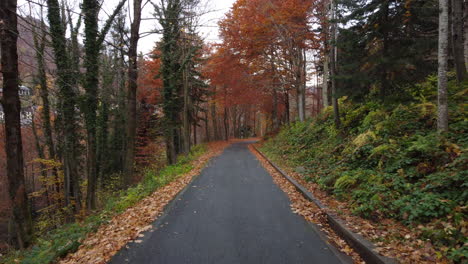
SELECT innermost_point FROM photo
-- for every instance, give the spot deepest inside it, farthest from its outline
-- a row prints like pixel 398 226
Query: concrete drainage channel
pixel 362 246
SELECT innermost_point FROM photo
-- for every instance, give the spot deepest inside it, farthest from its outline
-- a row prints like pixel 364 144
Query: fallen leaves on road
pixel 100 246
pixel 307 209
pixel 392 239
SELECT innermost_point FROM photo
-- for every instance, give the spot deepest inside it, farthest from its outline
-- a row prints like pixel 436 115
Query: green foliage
pixel 67 238
pixel 421 207
pixel 424 91
pixel 389 162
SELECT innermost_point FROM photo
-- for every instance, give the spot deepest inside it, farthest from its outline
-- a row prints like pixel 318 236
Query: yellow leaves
pixel 453 148
pixel 49 163
pixel 364 139
pixel 426 109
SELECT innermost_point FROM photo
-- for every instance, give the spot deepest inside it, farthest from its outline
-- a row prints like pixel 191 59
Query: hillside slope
pixel 388 162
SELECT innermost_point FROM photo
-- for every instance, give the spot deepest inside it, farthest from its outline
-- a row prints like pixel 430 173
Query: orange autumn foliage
pixel 149 83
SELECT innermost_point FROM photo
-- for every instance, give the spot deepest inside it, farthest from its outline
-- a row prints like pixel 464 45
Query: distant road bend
pixel 232 213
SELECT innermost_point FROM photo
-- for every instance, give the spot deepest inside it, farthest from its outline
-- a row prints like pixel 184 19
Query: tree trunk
pixel 325 82
pixel 131 123
pixel 304 81
pixel 457 39
pixel 442 120
pixel 287 106
pixel 92 46
pixel 465 36
pixel 12 108
pixel 275 110
pixel 300 89
pixel 214 117
pixel 226 124
pixel 91 81
pixel 326 63
pixel 234 120
pixel 185 110
pixel 67 103
pixel 102 151
pixel 194 133
pixel 384 82
pixel 171 153
pixel 207 127
pixel 41 81
pixel 333 70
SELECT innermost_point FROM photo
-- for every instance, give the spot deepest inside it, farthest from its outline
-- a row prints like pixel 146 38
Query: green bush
pixel 422 207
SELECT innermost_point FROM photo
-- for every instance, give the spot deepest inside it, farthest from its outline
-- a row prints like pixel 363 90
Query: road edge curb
pixel 362 246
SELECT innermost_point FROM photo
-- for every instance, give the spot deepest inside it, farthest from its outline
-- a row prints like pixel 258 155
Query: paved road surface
pixel 232 213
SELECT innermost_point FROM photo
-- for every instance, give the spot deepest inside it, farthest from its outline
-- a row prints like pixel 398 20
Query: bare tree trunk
pixel 214 117
pixel 12 108
pixel 275 110
pixel 442 120
pixel 132 86
pixel 333 71
pixel 275 114
pixel 325 81
pixel 304 80
pixel 326 63
pixel 457 39
pixel 300 86
pixel 207 127
pixel 287 106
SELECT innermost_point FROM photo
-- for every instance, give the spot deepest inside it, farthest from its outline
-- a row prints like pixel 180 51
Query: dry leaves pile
pixel 307 209
pixel 391 238
pixel 100 246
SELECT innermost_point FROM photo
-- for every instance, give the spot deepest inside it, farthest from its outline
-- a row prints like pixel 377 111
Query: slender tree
pixel 442 120
pixel 67 104
pixel 12 108
pixel 333 71
pixel 119 44
pixel 93 42
pixel 169 15
pixel 465 31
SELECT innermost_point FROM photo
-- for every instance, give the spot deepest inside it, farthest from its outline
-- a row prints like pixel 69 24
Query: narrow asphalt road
pixel 232 213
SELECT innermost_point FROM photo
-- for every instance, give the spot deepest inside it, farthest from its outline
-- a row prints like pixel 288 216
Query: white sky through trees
pixel 214 11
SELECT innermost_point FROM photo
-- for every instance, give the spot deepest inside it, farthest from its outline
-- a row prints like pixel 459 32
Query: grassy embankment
pixel 388 161
pixel 67 238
